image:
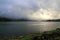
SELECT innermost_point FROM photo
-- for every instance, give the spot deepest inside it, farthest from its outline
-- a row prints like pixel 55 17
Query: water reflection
pixel 12 28
pixel 43 26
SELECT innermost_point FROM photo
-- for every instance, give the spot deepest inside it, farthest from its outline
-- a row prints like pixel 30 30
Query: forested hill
pixel 54 20
pixel 2 19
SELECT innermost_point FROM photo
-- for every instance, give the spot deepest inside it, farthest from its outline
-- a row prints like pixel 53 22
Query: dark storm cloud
pixel 31 9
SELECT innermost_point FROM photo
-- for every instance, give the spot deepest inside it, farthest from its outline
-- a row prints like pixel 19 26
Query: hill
pixel 2 19
pixel 53 20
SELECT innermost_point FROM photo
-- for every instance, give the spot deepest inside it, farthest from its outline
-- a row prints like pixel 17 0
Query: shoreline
pixel 51 35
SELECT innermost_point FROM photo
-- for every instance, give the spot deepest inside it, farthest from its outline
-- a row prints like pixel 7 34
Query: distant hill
pixel 53 20
pixel 2 19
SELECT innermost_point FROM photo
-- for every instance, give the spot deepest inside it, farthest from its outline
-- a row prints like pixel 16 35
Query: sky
pixel 30 9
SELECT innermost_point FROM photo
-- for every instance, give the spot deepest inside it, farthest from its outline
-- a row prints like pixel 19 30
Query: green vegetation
pixel 47 35
pixel 54 20
pixel 2 19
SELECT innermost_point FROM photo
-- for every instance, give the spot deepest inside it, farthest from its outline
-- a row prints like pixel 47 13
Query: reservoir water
pixel 17 28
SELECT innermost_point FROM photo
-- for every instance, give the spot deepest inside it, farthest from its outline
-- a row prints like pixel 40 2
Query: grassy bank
pixel 47 35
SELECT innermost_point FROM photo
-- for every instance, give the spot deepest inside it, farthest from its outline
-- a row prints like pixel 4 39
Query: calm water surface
pixel 16 28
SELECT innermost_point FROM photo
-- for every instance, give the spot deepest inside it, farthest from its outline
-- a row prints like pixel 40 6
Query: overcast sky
pixel 30 9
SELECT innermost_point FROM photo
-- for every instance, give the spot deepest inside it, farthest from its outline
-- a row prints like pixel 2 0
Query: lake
pixel 18 28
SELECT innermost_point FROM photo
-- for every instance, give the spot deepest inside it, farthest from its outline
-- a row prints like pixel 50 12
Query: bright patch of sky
pixel 30 9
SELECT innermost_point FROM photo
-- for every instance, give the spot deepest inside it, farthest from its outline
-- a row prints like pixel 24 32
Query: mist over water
pixel 30 9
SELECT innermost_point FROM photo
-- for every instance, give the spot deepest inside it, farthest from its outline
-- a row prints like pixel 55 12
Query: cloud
pixel 30 9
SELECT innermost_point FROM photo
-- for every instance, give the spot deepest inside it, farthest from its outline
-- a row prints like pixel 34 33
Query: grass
pixel 47 35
